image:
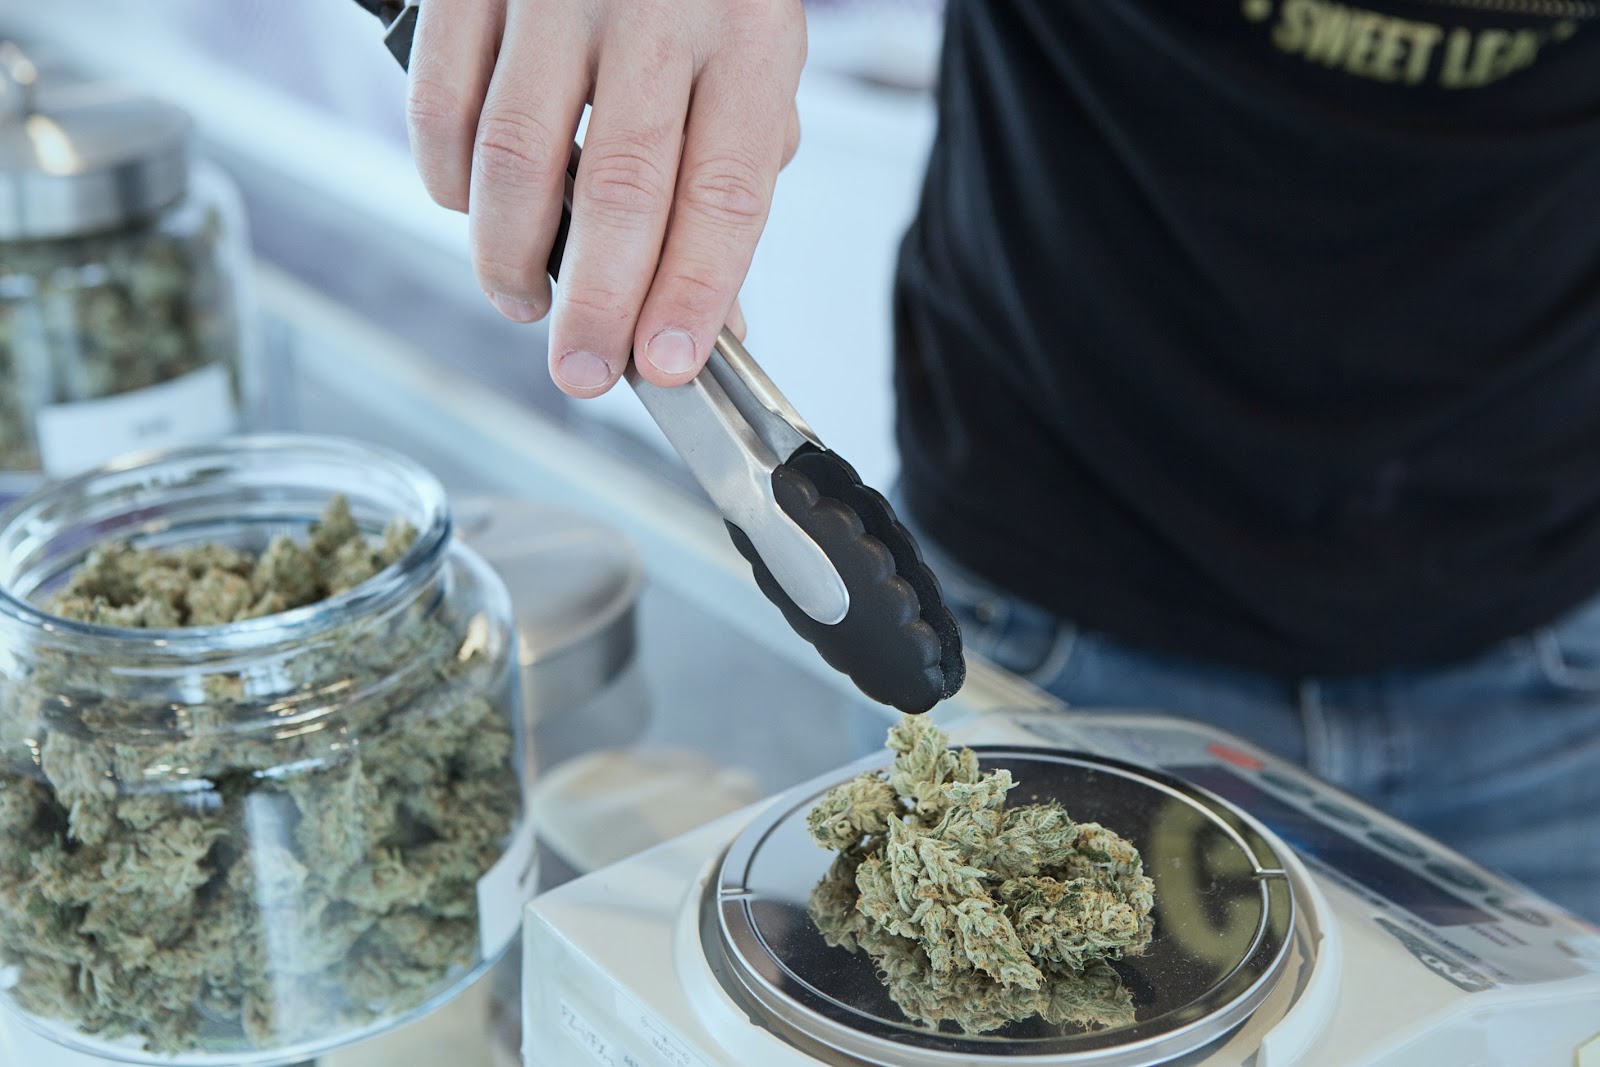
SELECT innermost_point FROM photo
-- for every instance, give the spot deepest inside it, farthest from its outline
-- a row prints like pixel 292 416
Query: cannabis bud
pixel 256 855
pixel 976 913
pixel 107 314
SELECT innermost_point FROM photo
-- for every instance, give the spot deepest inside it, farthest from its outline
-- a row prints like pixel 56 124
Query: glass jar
pixel 122 281
pixel 253 842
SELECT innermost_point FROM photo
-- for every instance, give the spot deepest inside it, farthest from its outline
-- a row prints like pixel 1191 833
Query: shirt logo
pixel 1386 48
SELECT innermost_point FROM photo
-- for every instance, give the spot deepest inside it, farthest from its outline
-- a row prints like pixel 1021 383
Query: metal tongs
pixel 825 548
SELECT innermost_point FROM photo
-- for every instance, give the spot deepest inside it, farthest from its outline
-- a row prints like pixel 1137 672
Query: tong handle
pixel 768 411
pixel 399 18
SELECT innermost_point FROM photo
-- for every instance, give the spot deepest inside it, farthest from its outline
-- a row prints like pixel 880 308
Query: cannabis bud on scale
pixel 975 913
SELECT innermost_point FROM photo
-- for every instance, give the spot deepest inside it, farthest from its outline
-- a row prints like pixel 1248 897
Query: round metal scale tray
pixel 1224 921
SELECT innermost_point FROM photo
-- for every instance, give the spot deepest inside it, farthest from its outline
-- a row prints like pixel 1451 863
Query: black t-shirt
pixel 1265 331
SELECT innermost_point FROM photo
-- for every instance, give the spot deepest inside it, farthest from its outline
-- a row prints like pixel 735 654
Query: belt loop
pixel 1060 654
pixel 1320 749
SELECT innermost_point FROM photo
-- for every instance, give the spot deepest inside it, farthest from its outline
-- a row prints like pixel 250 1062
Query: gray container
pixel 575 587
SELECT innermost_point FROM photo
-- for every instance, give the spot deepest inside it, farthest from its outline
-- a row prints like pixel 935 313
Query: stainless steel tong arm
pixel 730 457
pixel 768 411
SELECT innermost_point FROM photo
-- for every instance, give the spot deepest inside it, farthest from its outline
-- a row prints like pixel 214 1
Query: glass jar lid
pixel 78 158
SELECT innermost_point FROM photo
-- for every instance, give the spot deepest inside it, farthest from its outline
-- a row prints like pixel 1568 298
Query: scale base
pixel 616 973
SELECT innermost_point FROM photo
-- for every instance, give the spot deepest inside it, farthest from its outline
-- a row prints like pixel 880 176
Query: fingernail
pixel 583 370
pixel 514 309
pixel 672 352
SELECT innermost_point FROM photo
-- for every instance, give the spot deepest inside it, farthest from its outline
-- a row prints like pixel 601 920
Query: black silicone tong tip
pixel 899 642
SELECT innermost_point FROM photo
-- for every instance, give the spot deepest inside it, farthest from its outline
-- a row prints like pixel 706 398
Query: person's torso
pixel 1265 330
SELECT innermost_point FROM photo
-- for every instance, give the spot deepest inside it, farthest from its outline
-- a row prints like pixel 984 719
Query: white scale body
pixel 1404 954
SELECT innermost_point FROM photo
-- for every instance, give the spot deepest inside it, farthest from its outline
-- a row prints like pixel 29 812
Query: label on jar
pixel 507 886
pixel 86 433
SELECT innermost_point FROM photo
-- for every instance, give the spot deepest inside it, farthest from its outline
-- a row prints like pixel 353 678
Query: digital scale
pixel 1294 925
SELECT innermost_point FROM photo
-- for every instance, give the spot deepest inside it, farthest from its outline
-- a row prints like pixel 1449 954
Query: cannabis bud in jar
pixel 223 853
pixel 976 913
pixel 122 280
pixel 112 315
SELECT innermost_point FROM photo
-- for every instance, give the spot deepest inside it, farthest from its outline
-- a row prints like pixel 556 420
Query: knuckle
pixel 439 130
pixel 514 149
pixel 780 22
pixel 728 191
pixel 594 306
pixel 433 107
pixel 693 296
pixel 658 28
pixel 626 178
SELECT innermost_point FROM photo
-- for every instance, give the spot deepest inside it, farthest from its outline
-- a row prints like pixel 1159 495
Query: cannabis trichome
pixel 975 913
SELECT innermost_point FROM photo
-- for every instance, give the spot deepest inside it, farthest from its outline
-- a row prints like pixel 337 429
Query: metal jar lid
pixel 79 158
pixel 574 585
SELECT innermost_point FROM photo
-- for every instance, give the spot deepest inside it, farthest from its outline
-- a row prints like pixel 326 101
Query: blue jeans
pixel 1498 757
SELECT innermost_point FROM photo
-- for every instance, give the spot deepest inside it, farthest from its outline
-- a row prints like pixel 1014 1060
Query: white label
pixel 506 887
pixel 584 1034
pixel 670 1052
pixel 196 407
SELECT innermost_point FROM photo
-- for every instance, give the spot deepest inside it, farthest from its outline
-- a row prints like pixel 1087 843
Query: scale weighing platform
pixel 1294 925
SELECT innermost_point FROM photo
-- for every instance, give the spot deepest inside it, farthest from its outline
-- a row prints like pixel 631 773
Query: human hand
pixel 693 116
